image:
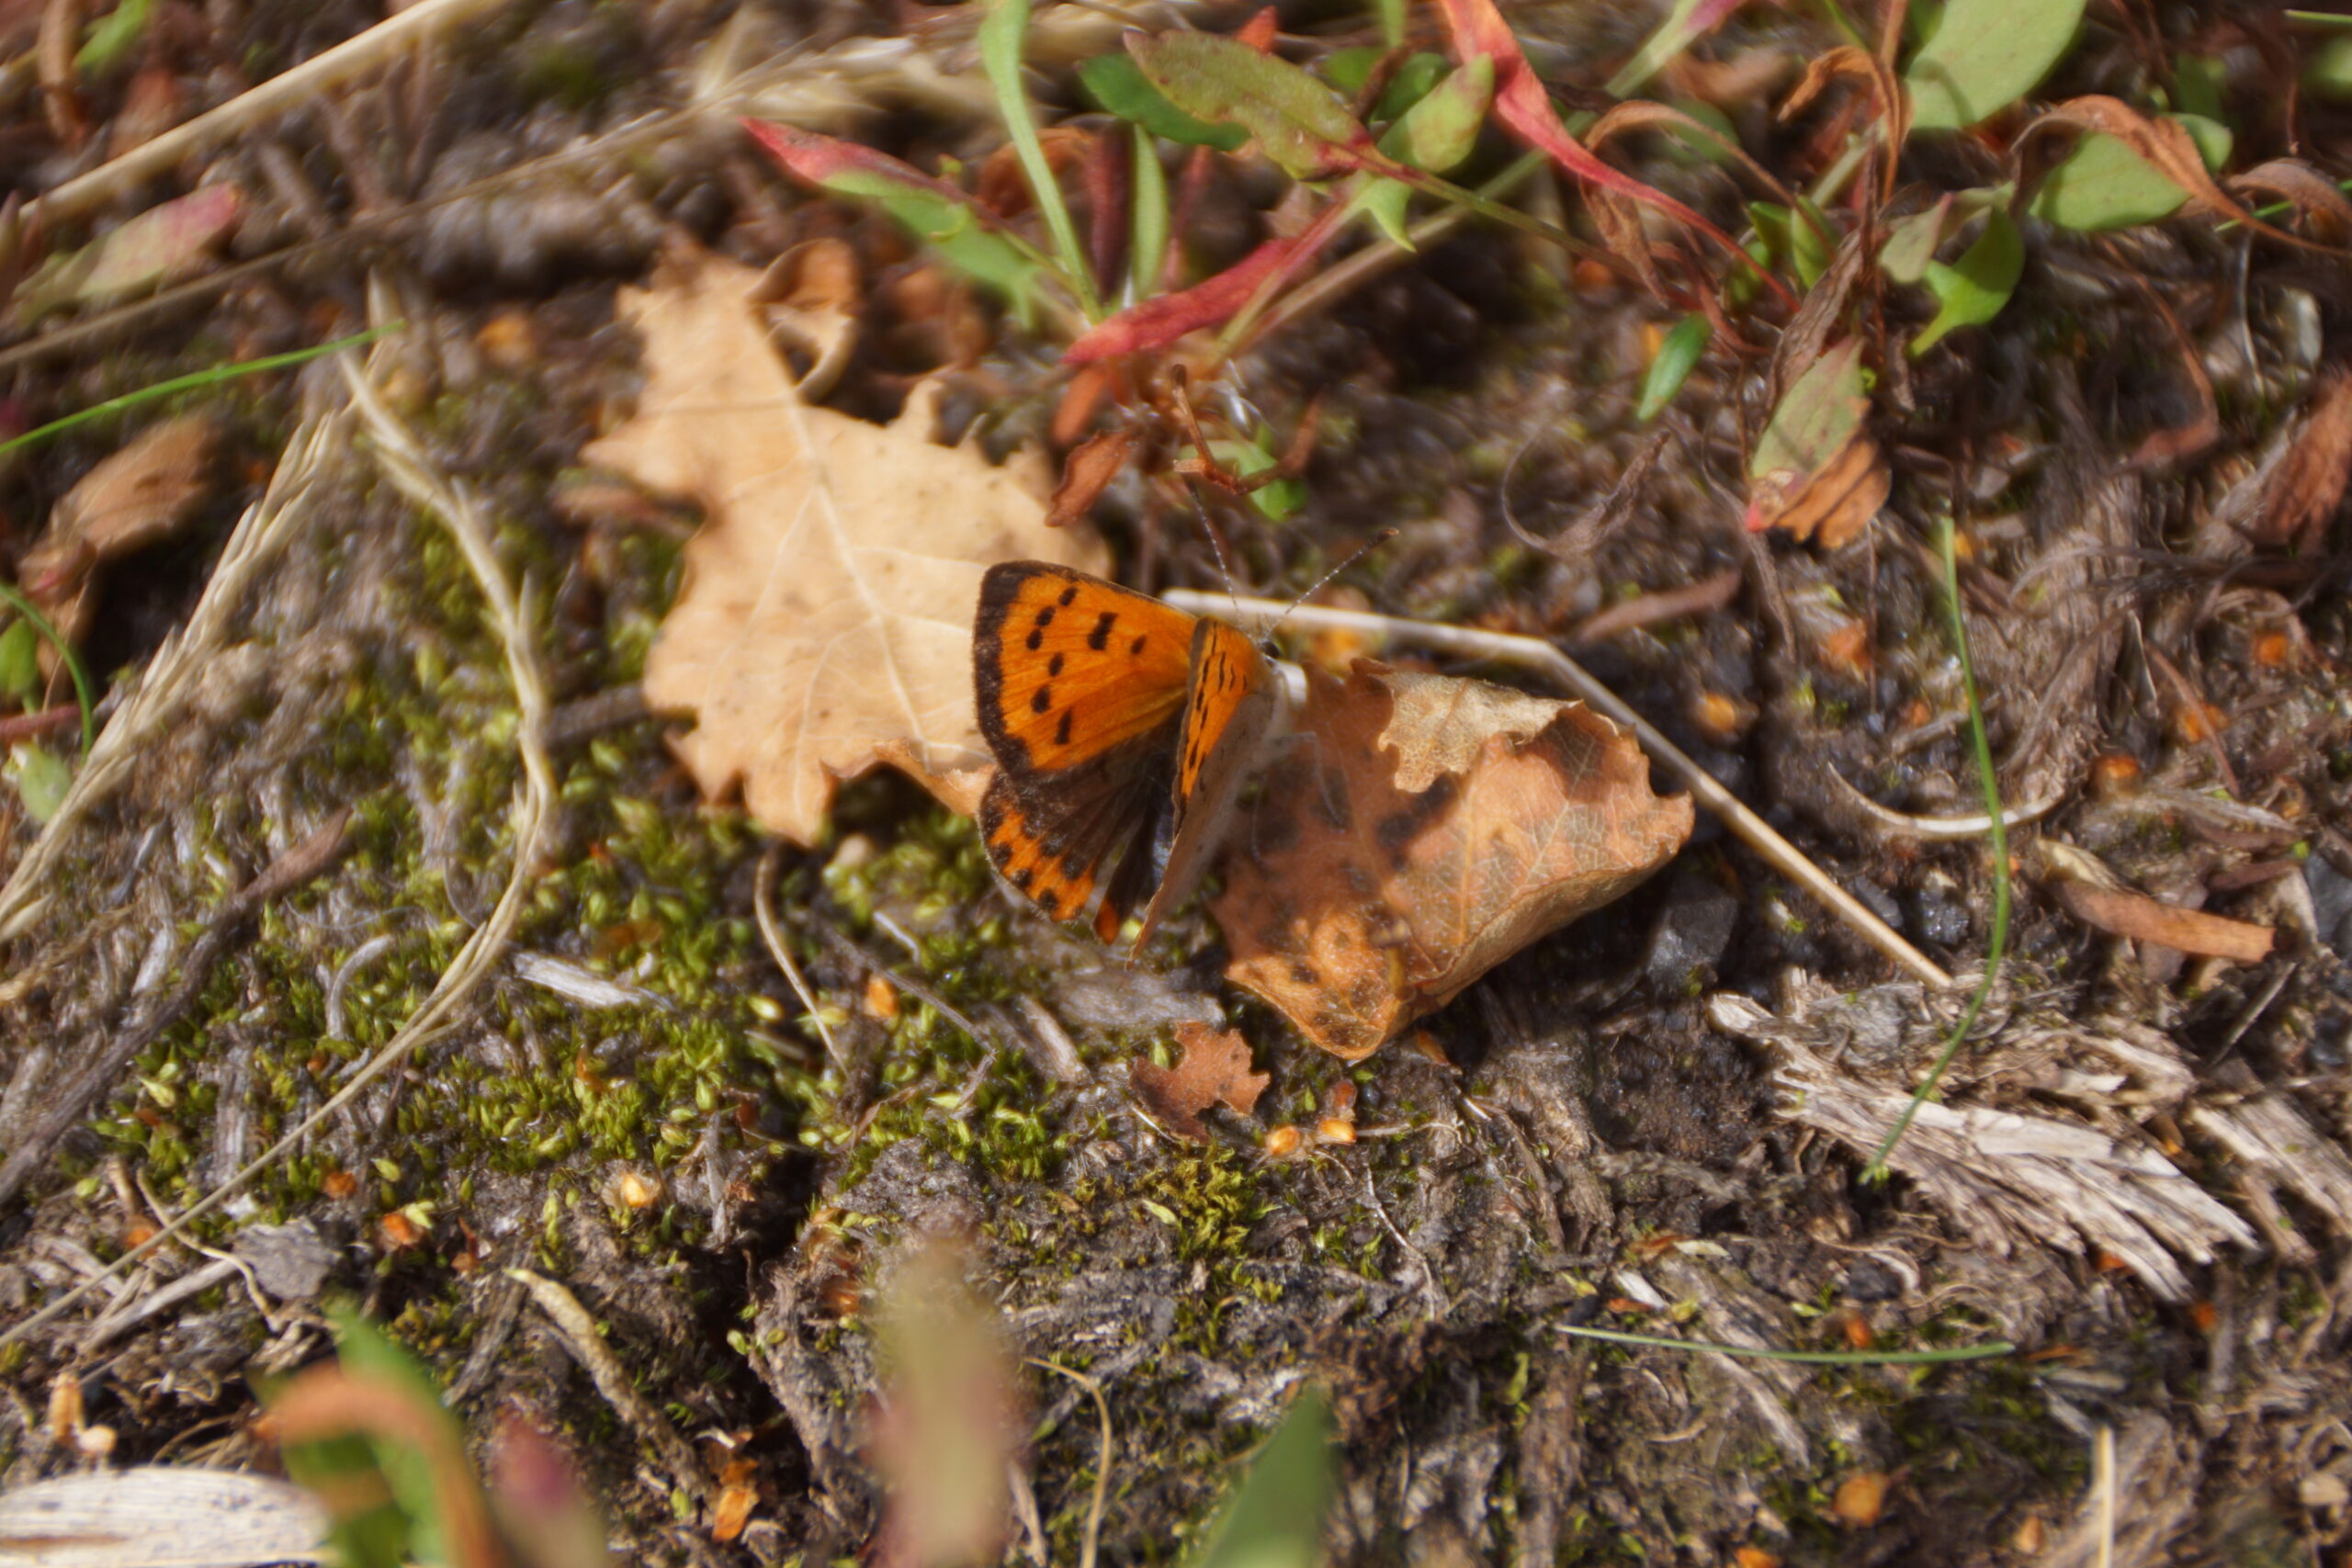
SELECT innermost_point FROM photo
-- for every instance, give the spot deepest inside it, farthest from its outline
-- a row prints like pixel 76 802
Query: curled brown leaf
pixel 1356 903
pixel 1213 1070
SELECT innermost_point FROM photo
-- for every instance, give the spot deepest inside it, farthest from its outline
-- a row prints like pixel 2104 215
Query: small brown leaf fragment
pixel 139 496
pixel 811 296
pixel 2307 486
pixel 1086 473
pixel 2119 912
pixel 1816 471
pixel 825 624
pixel 1213 1069
pixel 1356 903
pixel 1860 1498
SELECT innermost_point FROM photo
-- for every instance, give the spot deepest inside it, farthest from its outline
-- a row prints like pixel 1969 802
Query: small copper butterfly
pixel 1120 726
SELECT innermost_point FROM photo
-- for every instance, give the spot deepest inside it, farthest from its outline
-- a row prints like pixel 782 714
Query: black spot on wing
pixel 1043 700
pixel 1099 637
pixel 1135 648
pixel 1036 640
pixel 1054 665
pixel 1069 594
pixel 1061 730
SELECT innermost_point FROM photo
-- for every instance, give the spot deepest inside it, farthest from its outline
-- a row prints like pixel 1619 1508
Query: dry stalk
pixel 1532 653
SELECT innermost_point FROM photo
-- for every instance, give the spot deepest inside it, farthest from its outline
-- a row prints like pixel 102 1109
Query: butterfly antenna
pixel 1353 556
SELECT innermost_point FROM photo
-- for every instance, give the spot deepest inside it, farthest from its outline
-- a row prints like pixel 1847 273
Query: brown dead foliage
pixel 1213 1070
pixel 1421 829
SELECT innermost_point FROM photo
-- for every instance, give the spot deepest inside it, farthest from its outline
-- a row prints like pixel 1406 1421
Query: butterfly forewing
pixel 1081 686
pixel 1067 667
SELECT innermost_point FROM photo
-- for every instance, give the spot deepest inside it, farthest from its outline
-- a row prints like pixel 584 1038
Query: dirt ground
pixel 1653 1121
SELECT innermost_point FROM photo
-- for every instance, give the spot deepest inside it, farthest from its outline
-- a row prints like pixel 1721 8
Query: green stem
pixel 72 661
pixel 1807 1357
pixel 1999 834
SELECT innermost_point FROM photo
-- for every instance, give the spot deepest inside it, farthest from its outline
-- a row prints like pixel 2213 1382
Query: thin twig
pixel 2103 1492
pixel 288 89
pixel 586 1342
pixel 1535 654
pixel 1805 1357
pixel 1090 1542
pixel 763 910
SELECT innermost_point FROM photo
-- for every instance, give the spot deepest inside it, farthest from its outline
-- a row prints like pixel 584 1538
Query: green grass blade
pixel 1147 244
pixel 189 383
pixel 1001 32
pixel 1876 1170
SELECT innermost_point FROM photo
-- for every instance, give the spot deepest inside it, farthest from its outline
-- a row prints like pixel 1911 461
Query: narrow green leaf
pixel 1678 355
pixel 1002 31
pixel 1411 83
pixel 1299 124
pixel 1439 132
pixel 19 662
pixel 952 229
pixel 1974 289
pixel 1684 23
pixel 1810 248
pixel 1277 1515
pixel 1392 22
pixel 113 36
pixel 1118 85
pixel 1385 201
pixel 1985 55
pixel 1147 243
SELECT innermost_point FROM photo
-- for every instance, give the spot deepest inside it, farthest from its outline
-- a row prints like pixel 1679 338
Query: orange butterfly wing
pixel 1080 685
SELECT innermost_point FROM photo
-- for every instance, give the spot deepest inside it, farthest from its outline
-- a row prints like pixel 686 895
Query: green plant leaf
pixel 945 218
pixel 1384 202
pixel 20 663
pixel 1439 132
pixel 1678 355
pixel 1276 499
pixel 2101 184
pixel 1298 123
pixel 1974 289
pixel 113 36
pixel 1147 243
pixel 1985 55
pixel 1410 83
pixel 1911 242
pixel 1802 244
pixel 1819 414
pixel 1002 30
pixel 41 778
pixel 1276 1517
pixel 1118 85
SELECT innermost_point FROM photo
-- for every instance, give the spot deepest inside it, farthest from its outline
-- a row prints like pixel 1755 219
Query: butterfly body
pixel 1112 716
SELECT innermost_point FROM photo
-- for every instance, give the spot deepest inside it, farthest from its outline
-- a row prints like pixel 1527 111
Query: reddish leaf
pixel 1085 473
pixel 1213 1069
pixel 1521 103
pixel 2308 484
pixel 1151 324
pixel 825 161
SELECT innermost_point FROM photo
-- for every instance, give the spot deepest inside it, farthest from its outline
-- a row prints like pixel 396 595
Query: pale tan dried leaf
pixel 825 624
pixel 1355 904
pixel 1440 724
pixel 1213 1069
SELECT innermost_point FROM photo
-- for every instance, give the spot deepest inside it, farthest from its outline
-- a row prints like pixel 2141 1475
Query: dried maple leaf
pixel 825 622
pixel 1214 1068
pixel 1422 830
